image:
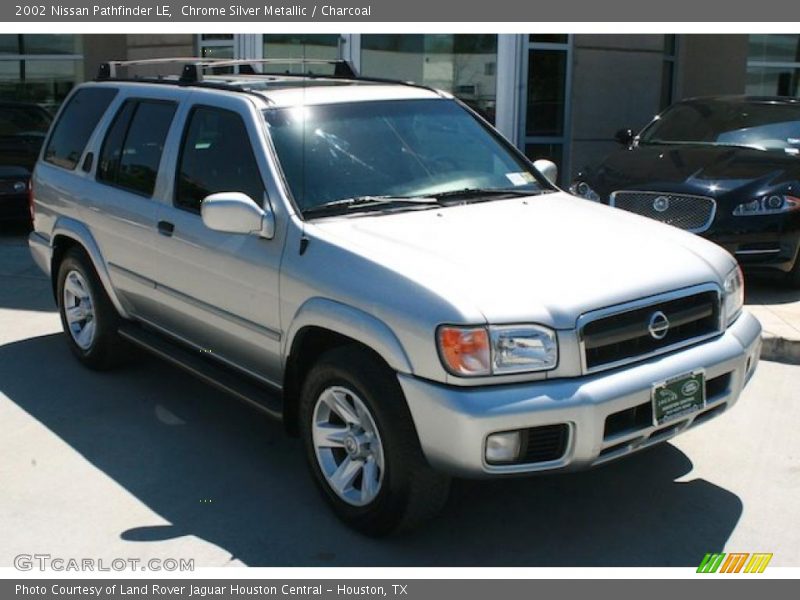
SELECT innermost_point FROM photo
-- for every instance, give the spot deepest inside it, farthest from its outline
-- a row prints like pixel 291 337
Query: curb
pixel 780 349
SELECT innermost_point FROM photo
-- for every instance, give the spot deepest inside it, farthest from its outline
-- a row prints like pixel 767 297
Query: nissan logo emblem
pixel 661 204
pixel 658 326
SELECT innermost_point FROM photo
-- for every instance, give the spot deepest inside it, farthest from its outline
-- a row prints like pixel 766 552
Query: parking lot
pixel 147 462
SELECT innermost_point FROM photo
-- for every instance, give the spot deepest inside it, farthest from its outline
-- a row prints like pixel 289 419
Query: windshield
pixel 407 148
pixel 761 125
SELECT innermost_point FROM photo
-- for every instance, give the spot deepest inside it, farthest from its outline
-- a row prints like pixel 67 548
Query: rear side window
pixel 76 124
pixel 133 146
pixel 216 156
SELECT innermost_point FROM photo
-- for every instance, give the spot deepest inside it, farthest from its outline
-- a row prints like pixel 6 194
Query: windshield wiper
pixel 337 207
pixel 486 193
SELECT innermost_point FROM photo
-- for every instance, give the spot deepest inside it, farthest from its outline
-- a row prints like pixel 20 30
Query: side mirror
pixel 624 137
pixel 547 168
pixel 235 212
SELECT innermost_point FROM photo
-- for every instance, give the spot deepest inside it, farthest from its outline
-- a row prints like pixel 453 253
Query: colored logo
pixel 734 562
pixel 690 388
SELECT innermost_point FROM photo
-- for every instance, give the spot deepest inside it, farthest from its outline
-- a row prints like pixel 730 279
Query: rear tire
pixel 88 317
pixel 362 447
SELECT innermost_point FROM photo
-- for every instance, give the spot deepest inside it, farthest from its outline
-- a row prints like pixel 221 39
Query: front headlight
pixel 734 295
pixel 772 204
pixel 497 350
pixel 584 190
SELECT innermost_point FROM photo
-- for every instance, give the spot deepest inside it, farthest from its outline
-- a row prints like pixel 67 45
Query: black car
pixel 727 168
pixel 22 130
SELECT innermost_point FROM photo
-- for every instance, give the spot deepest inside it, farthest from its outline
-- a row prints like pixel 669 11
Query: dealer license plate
pixel 678 397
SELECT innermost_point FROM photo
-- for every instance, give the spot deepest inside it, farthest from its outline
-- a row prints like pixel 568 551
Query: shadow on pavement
pixel 218 471
pixel 768 290
pixel 22 285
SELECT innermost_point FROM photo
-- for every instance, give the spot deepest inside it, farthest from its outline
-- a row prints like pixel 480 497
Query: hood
pixel 705 170
pixel 544 259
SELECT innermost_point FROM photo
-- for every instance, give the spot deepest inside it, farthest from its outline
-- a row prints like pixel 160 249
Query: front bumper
pixel 454 422
pixel 762 251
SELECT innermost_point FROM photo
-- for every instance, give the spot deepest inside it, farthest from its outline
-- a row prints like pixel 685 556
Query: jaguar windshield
pixel 393 154
pixel 758 125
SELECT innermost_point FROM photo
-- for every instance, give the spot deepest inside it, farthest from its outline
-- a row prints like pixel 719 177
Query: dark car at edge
pixel 727 168
pixel 23 127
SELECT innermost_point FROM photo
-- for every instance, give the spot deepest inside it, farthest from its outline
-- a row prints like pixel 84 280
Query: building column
pixel 509 85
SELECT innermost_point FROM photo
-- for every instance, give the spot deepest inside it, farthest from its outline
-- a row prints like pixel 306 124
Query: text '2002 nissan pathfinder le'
pixel 370 262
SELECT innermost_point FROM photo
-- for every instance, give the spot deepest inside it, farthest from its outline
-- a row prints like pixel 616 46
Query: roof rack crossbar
pixel 192 70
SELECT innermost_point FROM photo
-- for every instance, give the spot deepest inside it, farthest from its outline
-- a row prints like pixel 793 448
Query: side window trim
pixel 187 123
pixel 119 114
pixel 136 102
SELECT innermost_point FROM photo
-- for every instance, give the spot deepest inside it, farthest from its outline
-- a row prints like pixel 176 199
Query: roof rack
pixel 192 70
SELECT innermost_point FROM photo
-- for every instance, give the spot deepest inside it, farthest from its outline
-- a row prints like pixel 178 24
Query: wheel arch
pixel 69 233
pixel 321 325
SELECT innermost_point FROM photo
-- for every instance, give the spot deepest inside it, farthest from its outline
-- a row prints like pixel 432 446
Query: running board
pixel 242 386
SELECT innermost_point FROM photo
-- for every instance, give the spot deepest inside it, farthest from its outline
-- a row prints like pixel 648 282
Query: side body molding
pixel 77 231
pixel 353 323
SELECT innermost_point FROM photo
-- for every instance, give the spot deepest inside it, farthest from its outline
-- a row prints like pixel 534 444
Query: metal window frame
pixel 773 64
pixel 525 47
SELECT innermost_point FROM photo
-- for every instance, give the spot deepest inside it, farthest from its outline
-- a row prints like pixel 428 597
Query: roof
pixel 305 91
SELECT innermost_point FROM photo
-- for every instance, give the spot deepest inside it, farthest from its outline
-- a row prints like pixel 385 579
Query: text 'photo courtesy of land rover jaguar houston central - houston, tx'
pixel 372 263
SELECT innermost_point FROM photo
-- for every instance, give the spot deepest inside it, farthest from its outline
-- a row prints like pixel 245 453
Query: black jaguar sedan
pixel 23 127
pixel 727 168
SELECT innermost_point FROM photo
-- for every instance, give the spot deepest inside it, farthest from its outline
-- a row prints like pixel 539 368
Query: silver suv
pixel 372 263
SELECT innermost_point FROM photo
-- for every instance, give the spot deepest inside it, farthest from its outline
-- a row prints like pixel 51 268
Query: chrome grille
pixel 692 213
pixel 621 335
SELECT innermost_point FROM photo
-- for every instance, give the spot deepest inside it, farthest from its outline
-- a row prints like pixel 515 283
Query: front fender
pixel 78 232
pixel 350 322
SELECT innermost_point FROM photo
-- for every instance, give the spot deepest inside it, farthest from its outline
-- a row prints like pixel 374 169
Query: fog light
pixel 503 447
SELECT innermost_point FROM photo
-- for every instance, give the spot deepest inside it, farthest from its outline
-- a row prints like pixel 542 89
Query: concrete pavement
pixel 778 309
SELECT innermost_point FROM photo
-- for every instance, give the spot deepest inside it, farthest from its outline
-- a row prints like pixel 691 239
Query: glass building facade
pixel 555 96
pixel 40 68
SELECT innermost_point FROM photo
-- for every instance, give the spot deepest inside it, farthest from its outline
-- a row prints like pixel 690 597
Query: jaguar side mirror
pixel 624 137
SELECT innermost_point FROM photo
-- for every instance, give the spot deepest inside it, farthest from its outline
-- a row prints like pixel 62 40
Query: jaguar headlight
pixel 497 350
pixel 734 295
pixel 772 204
pixel 584 190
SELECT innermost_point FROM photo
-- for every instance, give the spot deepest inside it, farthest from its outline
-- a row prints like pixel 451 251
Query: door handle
pixel 165 228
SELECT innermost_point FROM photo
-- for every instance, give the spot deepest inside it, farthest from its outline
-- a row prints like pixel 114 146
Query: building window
pixel 773 65
pixel 545 110
pixel 40 68
pixel 465 65
pixel 216 45
pixel 668 70
pixel 324 46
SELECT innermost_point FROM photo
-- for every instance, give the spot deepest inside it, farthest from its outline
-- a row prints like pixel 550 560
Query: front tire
pixel 88 317
pixel 362 447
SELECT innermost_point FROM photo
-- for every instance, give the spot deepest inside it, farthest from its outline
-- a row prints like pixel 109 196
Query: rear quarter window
pixel 76 124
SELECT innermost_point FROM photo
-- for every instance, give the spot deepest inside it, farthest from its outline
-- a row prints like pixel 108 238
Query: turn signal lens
pixel 465 350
